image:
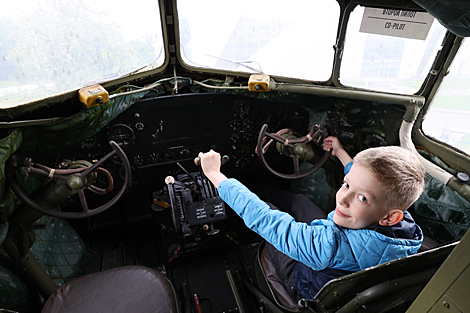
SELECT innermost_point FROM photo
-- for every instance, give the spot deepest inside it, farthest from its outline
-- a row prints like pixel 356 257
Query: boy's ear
pixel 393 217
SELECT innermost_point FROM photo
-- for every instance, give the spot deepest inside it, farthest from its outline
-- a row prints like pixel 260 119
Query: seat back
pixel 123 289
pixel 339 292
pixel 270 284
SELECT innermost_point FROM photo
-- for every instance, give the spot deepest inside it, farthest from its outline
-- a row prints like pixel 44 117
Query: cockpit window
pixel 53 46
pixel 284 38
pixel 395 62
pixel 448 117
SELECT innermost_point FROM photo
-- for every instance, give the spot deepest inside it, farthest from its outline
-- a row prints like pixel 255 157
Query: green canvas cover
pixel 441 212
pixel 59 249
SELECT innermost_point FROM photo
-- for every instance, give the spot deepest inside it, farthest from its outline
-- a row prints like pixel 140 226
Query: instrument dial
pixel 89 143
pixel 235 138
pixel 122 134
pixel 248 123
pixel 154 157
pixel 235 125
pixel 139 159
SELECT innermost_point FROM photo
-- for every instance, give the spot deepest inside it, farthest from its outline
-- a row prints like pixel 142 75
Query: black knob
pixel 241 163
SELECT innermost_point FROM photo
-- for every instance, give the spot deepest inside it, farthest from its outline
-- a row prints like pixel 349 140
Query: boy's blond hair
pixel 398 170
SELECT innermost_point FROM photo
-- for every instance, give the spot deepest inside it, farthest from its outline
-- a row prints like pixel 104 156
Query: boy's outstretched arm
pixel 277 227
pixel 332 143
pixel 210 163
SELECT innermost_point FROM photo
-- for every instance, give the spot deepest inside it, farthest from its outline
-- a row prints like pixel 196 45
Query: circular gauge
pixel 154 157
pixel 139 159
pixel 89 143
pixel 248 123
pixel 235 138
pixel 235 125
pixel 248 136
pixel 184 151
pixel 121 134
pixel 242 149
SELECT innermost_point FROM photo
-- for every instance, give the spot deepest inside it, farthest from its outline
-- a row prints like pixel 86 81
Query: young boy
pixel 369 226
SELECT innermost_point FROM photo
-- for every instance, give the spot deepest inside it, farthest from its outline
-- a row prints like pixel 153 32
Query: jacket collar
pixel 406 229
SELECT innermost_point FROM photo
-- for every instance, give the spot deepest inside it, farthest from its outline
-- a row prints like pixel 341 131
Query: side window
pixel 448 117
pixel 54 46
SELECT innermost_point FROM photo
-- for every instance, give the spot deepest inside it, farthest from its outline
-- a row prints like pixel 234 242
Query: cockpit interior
pixel 105 107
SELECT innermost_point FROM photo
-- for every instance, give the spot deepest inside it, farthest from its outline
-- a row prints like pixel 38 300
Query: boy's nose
pixel 343 197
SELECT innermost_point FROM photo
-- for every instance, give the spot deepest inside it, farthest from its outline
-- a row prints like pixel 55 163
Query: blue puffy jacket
pixel 308 282
pixel 321 244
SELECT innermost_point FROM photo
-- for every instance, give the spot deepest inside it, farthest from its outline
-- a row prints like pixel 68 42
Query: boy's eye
pixel 362 198
pixel 345 185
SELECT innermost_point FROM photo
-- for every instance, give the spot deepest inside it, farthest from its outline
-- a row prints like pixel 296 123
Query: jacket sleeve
pixel 314 244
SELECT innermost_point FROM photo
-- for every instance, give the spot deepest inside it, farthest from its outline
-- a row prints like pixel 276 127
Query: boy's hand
pixel 332 143
pixel 210 163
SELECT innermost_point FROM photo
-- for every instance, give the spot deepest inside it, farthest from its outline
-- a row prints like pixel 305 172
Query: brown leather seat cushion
pixel 124 289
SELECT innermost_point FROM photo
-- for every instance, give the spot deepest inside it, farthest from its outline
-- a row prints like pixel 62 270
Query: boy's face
pixel 360 201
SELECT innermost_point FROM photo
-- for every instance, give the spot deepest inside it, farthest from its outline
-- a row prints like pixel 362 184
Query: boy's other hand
pixel 330 143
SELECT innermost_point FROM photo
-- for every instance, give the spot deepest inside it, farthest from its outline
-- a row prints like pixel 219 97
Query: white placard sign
pixel 396 23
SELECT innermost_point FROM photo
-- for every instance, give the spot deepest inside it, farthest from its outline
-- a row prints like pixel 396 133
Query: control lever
pixel 187 173
pixel 225 159
pixel 169 180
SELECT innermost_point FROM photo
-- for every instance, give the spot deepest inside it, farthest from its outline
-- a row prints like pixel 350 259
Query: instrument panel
pixel 157 133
